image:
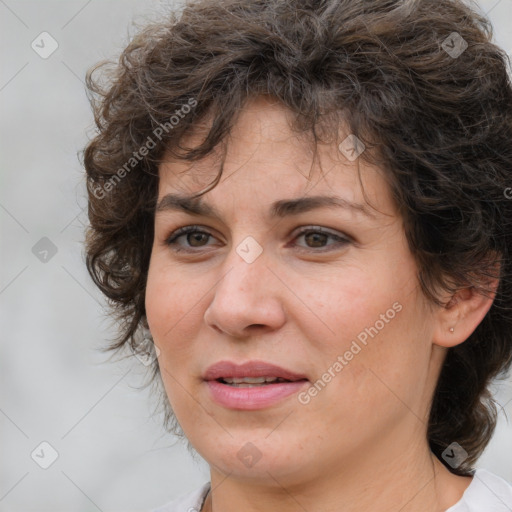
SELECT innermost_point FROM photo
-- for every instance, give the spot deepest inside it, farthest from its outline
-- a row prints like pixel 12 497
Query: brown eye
pixel 193 236
pixel 316 239
pixel 319 239
pixel 196 238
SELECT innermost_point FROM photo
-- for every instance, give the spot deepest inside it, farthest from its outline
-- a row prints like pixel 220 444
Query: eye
pixel 315 238
pixel 194 237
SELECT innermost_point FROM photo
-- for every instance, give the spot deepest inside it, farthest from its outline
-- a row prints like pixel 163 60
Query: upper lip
pixel 229 369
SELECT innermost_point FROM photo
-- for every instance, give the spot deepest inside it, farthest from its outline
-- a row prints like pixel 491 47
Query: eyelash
pixel 175 235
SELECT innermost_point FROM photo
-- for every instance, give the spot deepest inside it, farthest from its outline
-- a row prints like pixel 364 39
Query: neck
pixel 413 480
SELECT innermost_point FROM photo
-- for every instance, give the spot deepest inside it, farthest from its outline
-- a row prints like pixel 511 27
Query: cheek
pixel 161 305
pixel 374 320
pixel 344 307
pixel 169 311
pixel 169 302
pixel 176 302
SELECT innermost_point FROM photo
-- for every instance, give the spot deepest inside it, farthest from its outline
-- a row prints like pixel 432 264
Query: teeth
pixel 251 380
pixel 243 385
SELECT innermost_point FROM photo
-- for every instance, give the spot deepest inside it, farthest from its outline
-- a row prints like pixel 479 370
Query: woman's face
pixel 338 304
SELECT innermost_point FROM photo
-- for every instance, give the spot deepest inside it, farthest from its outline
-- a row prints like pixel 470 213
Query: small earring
pixel 451 329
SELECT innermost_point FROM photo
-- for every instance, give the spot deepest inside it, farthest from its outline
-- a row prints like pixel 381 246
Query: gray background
pixel 55 384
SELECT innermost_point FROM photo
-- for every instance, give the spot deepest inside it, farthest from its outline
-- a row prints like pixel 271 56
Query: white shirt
pixel 487 492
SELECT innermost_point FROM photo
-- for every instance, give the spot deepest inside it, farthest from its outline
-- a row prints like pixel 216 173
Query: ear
pixel 464 311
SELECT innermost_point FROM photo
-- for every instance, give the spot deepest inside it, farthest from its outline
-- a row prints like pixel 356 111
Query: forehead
pixel 264 159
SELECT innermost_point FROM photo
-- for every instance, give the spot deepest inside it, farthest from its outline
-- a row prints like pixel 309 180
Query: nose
pixel 248 299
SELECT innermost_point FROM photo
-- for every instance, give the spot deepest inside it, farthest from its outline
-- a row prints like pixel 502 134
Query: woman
pixel 302 204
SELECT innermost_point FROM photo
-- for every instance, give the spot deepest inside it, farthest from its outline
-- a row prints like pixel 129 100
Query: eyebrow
pixel 282 208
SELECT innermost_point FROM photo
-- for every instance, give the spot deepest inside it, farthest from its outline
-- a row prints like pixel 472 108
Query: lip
pixel 254 368
pixel 258 397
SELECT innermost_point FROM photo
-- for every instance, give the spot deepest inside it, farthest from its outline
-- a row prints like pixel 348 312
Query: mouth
pixel 254 382
pixel 251 373
pixel 252 385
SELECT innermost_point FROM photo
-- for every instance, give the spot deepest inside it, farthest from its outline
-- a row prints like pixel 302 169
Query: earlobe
pixel 458 319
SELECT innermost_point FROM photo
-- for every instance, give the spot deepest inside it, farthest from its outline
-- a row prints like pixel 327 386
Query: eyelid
pixel 185 230
pixel 321 229
pixel 339 237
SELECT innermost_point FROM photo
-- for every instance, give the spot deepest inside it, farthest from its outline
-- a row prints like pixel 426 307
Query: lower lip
pixel 257 397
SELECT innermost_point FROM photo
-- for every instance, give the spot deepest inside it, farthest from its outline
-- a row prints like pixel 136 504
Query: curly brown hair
pixel 419 82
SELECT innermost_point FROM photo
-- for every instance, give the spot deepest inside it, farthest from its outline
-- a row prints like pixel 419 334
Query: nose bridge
pixel 246 277
pixel 246 294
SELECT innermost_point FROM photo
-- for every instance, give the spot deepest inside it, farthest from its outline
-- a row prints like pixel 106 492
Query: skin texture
pixel 360 443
